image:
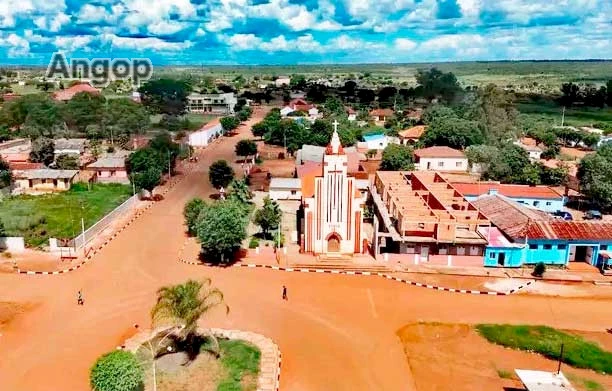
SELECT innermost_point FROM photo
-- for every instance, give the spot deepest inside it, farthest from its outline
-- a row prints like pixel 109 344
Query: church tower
pixel 332 216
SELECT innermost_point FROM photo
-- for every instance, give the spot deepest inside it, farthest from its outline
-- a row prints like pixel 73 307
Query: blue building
pixel 540 197
pixel 534 236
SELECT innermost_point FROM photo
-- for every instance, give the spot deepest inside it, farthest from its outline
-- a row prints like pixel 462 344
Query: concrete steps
pixel 343 266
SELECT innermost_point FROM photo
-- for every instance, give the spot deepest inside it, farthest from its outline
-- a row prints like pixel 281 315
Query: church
pixel 331 209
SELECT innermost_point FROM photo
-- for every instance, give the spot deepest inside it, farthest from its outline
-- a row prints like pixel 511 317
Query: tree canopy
pixel 397 157
pixel 220 174
pixel 6 176
pixel 67 161
pixel 221 229
pixel 118 370
pixel 269 216
pixel 246 148
pixel 229 123
pixel 595 174
pixel 437 84
pixel 84 109
pixel 43 151
pixel 165 96
pixel 191 212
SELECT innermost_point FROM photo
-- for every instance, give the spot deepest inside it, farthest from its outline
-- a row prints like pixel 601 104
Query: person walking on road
pixel 80 298
pixel 285 293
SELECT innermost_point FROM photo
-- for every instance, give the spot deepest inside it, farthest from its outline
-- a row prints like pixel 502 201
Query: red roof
pixel 381 113
pixel 508 190
pixel 300 105
pixel 69 93
pixel 22 166
pixel 414 132
pixel 443 152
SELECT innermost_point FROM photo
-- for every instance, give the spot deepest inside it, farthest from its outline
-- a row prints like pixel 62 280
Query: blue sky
pixel 305 31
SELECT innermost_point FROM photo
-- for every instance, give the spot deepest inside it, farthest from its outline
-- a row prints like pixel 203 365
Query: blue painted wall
pixel 551 252
pixel 546 205
pixel 512 256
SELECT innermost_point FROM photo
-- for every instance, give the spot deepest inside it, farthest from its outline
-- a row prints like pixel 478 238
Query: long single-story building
pixel 534 236
pixel 544 198
pixel 109 170
pixel 44 181
pixel 440 158
pixel 206 134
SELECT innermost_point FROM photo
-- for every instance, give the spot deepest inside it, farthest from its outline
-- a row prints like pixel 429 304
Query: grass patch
pixel 502 373
pixel 547 341
pixel 587 384
pixel 545 110
pixel 38 218
pixel 241 361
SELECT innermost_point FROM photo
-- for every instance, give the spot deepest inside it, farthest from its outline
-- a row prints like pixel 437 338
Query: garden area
pixel 38 218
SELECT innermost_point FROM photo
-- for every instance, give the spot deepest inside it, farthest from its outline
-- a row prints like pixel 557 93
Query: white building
pixel 285 189
pixel 217 104
pixel 440 159
pixel 206 134
pixel 533 150
pixel 282 81
pixel 377 141
pixel 70 146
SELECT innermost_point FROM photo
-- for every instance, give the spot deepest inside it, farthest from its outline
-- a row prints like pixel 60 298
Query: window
pixel 293 192
pixel 458 164
pixel 603 247
pixel 548 203
pixel 536 203
pixel 547 246
pixel 492 255
pixel 561 246
pixel 421 225
pixel 533 246
pixel 440 164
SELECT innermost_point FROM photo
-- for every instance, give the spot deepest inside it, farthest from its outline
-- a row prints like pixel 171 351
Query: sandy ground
pixel 335 332
pixel 454 357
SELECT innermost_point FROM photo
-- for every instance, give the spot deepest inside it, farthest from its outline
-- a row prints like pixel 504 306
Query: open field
pixel 545 110
pixel 455 357
pixel 38 218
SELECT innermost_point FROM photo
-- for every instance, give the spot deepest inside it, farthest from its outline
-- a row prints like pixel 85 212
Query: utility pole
pixel 169 166
pixel 563 116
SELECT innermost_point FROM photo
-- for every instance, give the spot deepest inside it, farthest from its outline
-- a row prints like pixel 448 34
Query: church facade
pixel 332 217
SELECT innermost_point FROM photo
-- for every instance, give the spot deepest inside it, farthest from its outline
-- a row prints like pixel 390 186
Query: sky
pixel 172 32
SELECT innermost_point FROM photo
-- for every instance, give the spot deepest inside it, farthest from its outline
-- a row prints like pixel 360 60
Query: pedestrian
pixel 285 293
pixel 80 298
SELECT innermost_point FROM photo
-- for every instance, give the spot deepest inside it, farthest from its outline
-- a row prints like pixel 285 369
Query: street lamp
pixel 152 351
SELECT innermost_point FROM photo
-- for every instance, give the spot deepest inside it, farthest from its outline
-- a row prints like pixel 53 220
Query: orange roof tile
pixel 439 151
pixel 508 190
pixel 414 132
pixel 69 93
pixel 381 112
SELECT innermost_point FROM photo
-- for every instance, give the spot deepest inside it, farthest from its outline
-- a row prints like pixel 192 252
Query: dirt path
pixel 335 332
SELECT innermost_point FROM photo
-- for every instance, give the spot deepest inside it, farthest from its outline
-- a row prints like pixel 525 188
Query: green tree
pixel 494 109
pixel 480 157
pixel 595 175
pixel 191 212
pixel 268 217
pixel 221 229
pixel 244 113
pixel 230 123
pixel 239 192
pixel 124 116
pixel 147 179
pixel 453 132
pixel 143 159
pixel 590 139
pixel 434 83
pixel 246 148
pixel 609 93
pixel 220 174
pixel 333 106
pixel 118 370
pixel 6 176
pixel 184 304
pixel 510 166
pixel 165 96
pixel 259 129
pixel 67 162
pixel 397 157
pixel 42 117
pixel 3 232
pixel 83 109
pixel 42 151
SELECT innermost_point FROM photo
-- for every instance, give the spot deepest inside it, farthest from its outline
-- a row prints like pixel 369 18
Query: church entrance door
pixel 333 244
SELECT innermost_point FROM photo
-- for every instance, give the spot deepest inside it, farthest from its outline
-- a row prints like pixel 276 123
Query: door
pixel 425 252
pixel 429 165
pixel 501 259
pixel 333 244
pixel 581 253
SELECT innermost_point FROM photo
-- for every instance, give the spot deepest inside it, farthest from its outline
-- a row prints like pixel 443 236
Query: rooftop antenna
pixel 560 359
pixel 563 116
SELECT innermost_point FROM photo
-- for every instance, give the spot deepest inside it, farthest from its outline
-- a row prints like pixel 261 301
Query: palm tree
pixel 184 304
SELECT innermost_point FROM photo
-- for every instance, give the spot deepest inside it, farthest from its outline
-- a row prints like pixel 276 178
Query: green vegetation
pixel 241 360
pixel 268 217
pixel 220 174
pixel 552 113
pixel 221 228
pixel 117 371
pixel 547 341
pixel 253 242
pixel 246 148
pixel 6 175
pixel 396 158
pixel 587 384
pixel 539 269
pixel 191 212
pixel 38 218
pixel 502 373
pixel 146 165
pixel 595 173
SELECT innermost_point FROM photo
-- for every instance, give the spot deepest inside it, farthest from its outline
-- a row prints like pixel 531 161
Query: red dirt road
pixel 335 332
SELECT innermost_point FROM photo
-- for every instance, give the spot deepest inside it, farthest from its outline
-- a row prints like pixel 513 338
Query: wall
pixel 448 164
pixel 513 256
pixel 538 203
pixel 284 194
pixel 14 244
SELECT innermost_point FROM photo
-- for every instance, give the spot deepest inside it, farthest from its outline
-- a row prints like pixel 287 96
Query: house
pixel 17 150
pixel 206 134
pixel 351 114
pixel 534 151
pixel 422 214
pixel 542 238
pixel 377 141
pixel 43 181
pixel 313 154
pixel 285 189
pixel 109 169
pixel 300 105
pixel 70 146
pixel 440 159
pixel 282 81
pixel 380 116
pixel 215 104
pixel 414 114
pixel 544 198
pixel 411 135
pixel 69 93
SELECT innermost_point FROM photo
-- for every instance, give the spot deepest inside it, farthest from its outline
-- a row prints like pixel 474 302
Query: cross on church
pixel 335 125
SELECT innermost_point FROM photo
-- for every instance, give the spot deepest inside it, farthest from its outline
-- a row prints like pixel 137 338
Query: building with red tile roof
pixel 69 93
pixel 542 237
pixel 381 115
pixel 440 158
pixel 412 135
pixel 544 198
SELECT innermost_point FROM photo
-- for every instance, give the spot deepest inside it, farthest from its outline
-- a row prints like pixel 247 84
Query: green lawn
pixel 547 341
pixel 240 359
pixel 574 116
pixel 38 218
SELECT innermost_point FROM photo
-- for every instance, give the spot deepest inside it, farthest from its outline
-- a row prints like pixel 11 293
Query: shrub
pixel 539 269
pixel 254 242
pixel 116 371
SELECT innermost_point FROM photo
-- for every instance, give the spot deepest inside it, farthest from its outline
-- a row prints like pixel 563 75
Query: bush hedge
pixel 117 371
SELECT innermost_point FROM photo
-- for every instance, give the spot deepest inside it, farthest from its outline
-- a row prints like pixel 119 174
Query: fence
pixel 81 240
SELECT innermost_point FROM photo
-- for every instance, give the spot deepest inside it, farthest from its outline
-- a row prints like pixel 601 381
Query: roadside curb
pixel 107 241
pixel 377 274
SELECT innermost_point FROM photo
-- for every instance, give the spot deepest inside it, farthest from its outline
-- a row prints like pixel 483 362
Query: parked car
pixel 593 215
pixel 563 215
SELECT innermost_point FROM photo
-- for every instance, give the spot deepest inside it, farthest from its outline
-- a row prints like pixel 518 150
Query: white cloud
pixel 142 44
pixel 52 23
pixel 94 14
pixel 72 43
pixel 240 42
pixel 17 46
pixel 344 42
pixel 143 14
pixel 404 44
pixel 164 27
pixel 470 8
